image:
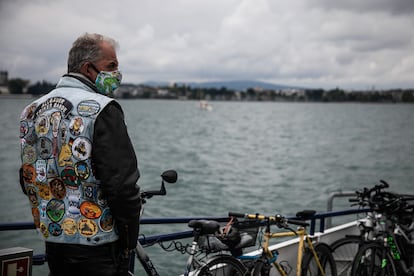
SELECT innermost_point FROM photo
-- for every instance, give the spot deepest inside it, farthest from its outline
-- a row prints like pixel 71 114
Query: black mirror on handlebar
pixel 169 176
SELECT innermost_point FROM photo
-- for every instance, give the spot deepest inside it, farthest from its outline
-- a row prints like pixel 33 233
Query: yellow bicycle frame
pixel 301 233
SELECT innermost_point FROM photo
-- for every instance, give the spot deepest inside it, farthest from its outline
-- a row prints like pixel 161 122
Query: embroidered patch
pixel 69 177
pixel 55 210
pixel 44 148
pixel 29 154
pixel 52 171
pixel 69 226
pixel 29 174
pixel 106 223
pixel 43 190
pixel 73 205
pixel 41 170
pixel 82 170
pixel 32 195
pixel 57 188
pixel 42 125
pixel 36 217
pixel 87 227
pixel 81 148
pixel 76 126
pixel 64 155
pixel 43 230
pixel 89 191
pixel 55 229
pixel 58 103
pixel 31 136
pixel 24 128
pixel 90 210
pixel 28 112
pixel 88 108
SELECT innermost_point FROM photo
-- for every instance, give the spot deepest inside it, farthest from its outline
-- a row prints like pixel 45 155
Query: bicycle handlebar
pixel 279 219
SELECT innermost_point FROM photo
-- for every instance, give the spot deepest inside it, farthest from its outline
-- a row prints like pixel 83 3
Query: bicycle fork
pixel 315 254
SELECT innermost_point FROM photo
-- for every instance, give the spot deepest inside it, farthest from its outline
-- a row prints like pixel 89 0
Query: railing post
pixel 329 206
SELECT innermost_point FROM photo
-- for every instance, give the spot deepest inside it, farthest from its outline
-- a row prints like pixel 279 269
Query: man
pixel 79 167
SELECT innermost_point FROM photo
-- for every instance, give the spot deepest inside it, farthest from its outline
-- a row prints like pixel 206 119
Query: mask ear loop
pixel 94 68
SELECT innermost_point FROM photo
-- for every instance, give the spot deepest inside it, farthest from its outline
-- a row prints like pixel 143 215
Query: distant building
pixel 4 89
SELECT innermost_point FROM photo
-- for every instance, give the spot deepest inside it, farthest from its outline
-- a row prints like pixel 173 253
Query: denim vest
pixel 56 138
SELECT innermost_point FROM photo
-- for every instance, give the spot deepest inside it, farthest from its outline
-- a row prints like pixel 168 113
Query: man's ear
pixel 88 71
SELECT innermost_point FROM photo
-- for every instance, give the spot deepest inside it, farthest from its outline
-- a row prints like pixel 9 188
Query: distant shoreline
pixel 18 96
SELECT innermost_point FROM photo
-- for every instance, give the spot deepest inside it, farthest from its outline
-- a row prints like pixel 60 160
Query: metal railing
pixel 323 218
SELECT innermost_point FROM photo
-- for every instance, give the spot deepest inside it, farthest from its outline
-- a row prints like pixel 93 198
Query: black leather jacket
pixel 116 166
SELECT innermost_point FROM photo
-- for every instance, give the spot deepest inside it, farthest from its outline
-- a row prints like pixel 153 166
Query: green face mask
pixel 106 82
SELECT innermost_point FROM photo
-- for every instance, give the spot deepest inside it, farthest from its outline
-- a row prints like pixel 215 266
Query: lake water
pixel 242 156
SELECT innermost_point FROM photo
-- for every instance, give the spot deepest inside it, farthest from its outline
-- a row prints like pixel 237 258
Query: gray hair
pixel 87 48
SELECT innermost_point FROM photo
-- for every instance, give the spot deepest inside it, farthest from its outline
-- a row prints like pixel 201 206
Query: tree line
pixel 187 92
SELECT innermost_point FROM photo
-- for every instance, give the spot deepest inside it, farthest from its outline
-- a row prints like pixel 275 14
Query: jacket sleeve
pixel 116 166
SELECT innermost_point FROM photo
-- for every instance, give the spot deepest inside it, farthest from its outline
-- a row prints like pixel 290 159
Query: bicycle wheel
pixel 310 266
pixel 373 259
pixel 344 251
pixel 223 265
pixel 261 268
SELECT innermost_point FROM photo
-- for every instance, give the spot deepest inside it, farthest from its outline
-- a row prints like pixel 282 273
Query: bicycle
pixel 374 229
pixel 196 265
pixel 312 258
pixel 392 251
pixel 345 249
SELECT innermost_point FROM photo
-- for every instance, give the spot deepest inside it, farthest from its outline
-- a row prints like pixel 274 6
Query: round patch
pixel 55 210
pixel 81 148
pixel 69 226
pixel 55 229
pixel 106 223
pixel 44 147
pixel 90 210
pixel 29 174
pixel 88 108
pixel 87 227
pixel 29 154
pixel 69 177
pixel 57 188
pixel 76 126
pixel 42 125
pixel 82 170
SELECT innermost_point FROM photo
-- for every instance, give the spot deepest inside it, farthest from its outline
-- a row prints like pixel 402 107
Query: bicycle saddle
pixel 305 214
pixel 205 226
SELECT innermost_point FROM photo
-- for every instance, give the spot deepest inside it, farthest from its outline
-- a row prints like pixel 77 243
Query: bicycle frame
pixel 302 235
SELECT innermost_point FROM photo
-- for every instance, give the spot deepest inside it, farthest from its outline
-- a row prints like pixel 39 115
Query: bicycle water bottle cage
pixel 305 214
pixel 204 226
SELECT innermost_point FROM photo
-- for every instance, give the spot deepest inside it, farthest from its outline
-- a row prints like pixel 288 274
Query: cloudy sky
pixel 350 44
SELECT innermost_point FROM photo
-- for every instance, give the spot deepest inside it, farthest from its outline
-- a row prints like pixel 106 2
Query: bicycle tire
pixel 261 268
pixel 324 253
pixel 373 259
pixel 222 265
pixel 344 251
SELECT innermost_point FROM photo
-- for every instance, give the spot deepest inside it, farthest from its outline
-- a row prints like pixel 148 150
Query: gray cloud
pixel 317 43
